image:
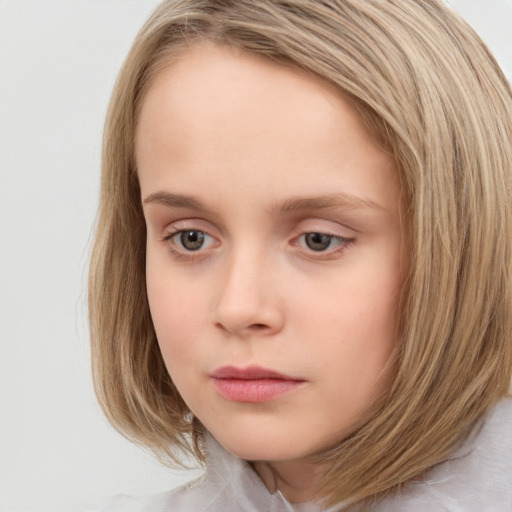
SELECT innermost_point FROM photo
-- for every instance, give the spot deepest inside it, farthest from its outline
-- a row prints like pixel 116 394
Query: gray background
pixel 58 62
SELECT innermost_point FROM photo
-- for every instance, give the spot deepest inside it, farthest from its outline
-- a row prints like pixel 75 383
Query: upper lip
pixel 249 373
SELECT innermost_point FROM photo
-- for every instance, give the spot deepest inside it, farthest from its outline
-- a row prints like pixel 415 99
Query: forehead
pixel 209 85
pixel 204 75
pixel 220 112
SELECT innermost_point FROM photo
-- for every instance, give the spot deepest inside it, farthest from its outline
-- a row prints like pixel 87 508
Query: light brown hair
pixel 429 90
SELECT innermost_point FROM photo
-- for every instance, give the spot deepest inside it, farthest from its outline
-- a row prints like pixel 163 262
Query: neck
pixel 298 481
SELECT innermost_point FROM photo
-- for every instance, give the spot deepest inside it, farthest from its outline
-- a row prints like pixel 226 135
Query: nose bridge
pixel 247 301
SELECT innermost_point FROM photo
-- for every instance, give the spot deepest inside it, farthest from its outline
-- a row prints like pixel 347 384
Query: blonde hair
pixel 429 90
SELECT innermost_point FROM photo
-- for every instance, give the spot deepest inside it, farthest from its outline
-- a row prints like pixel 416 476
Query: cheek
pixel 364 301
pixel 178 313
pixel 354 324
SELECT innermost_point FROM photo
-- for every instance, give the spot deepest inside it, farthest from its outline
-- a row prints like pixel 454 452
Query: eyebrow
pixel 341 200
pixel 293 204
pixel 175 201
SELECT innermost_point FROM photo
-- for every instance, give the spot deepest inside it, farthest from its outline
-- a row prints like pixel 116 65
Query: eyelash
pixel 343 244
pixel 182 254
pixel 185 254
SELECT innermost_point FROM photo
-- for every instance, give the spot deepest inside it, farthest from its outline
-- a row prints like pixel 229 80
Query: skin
pixel 228 145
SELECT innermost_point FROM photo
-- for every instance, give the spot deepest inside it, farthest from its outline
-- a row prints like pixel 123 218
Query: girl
pixel 302 265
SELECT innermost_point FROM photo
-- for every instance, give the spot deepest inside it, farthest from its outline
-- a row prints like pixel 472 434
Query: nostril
pixel 258 327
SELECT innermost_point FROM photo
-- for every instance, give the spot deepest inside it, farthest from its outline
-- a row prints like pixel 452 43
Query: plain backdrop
pixel 58 62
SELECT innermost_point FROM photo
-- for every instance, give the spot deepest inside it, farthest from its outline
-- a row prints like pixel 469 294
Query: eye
pixel 318 241
pixel 189 240
pixel 323 242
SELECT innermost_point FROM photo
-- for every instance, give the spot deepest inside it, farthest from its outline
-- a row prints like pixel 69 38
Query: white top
pixel 477 479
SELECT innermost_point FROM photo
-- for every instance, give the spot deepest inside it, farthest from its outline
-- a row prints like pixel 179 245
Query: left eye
pixel 320 242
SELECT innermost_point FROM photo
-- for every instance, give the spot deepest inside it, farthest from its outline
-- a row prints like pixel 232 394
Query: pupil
pixel 318 241
pixel 192 240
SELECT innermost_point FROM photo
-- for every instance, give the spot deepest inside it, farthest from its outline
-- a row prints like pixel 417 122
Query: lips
pixel 253 384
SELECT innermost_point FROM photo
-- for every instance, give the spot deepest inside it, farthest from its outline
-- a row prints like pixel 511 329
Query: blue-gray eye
pixel 192 240
pixel 318 241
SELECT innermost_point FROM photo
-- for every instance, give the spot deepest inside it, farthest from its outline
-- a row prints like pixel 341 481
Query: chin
pixel 261 447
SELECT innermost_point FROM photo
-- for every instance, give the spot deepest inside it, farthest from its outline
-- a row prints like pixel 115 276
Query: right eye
pixel 189 240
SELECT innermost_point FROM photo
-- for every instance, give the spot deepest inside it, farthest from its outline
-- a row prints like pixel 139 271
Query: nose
pixel 248 301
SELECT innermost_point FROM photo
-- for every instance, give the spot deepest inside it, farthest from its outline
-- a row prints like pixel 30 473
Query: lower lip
pixel 254 390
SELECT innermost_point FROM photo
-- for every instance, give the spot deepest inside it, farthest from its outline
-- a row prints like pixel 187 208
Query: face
pixel 273 251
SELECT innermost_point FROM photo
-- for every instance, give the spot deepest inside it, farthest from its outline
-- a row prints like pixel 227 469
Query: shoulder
pixel 180 499
pixel 477 478
pixel 229 483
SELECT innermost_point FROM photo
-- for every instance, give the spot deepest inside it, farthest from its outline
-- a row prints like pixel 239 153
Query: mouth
pixel 253 384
